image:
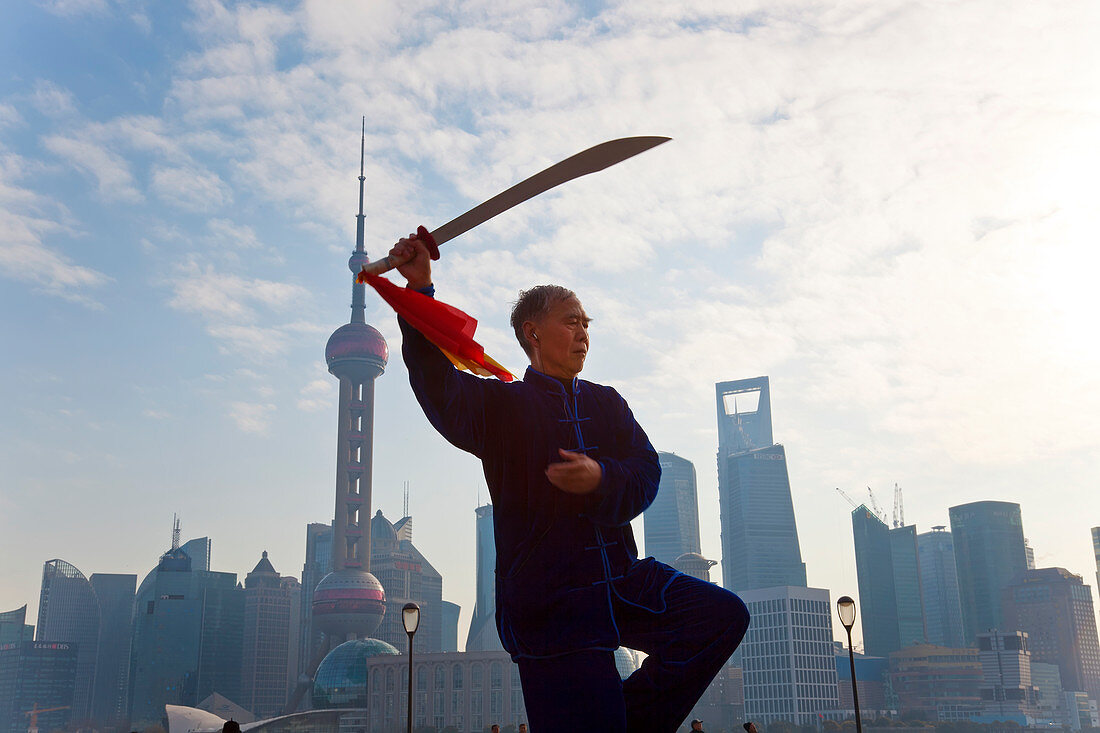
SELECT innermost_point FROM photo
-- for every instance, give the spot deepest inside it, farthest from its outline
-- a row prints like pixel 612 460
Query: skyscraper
pixel 787 655
pixel 671 522
pixel 14 628
pixel 1055 608
pixel 69 612
pixel 1096 552
pixel 907 585
pixel 1007 690
pixel 940 588
pixel 483 634
pixel 38 674
pixel 407 576
pixel 759 538
pixel 187 634
pixel 270 649
pixel 875 576
pixel 115 595
pixel 318 564
pixel 989 553
pixel 450 626
pixel 888 573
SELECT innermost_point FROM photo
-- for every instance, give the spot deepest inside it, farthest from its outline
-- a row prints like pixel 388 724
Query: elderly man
pixel 568 467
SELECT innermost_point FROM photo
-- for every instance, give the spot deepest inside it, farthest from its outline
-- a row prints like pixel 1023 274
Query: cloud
pixel 190 189
pixel 52 100
pixel 110 170
pixel 27 220
pixel 317 395
pixel 220 296
pixel 9 116
pixel 252 417
pixel 224 231
pixel 73 8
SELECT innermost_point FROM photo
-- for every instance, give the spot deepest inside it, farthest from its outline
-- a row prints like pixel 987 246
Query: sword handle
pixel 389 262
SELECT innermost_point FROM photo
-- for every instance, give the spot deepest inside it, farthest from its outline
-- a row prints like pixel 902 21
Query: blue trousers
pixel 687 644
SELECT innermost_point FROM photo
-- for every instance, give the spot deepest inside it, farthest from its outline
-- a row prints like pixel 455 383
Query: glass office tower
pixel 671 522
pixel 989 554
pixel 759 539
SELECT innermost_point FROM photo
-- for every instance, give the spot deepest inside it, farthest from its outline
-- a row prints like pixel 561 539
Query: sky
pixel 887 207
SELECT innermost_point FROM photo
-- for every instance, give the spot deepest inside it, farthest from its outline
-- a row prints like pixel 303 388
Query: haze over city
pixel 886 207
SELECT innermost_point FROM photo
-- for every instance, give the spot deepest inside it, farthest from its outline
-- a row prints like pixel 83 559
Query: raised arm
pixel 455 403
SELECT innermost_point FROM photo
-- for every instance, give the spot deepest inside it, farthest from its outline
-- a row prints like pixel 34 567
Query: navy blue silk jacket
pixel 560 557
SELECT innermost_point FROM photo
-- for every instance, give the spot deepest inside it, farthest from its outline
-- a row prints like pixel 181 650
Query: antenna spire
pixel 406 498
pixel 175 532
pixel 359 258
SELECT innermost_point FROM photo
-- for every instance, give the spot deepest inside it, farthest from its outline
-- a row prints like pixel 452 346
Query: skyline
pixel 882 207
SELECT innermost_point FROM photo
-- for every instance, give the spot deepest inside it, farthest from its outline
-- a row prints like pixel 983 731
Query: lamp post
pixel 410 617
pixel 846 609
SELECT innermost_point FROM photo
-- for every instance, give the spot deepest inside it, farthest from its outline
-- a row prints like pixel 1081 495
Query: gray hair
pixel 533 304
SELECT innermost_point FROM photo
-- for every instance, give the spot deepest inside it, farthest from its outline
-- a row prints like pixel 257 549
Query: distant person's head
pixel 697 724
pixel 495 728
pixel 231 726
pixel 523 728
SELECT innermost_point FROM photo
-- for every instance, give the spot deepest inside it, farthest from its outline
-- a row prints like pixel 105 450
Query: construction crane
pixel 899 508
pixel 874 505
pixel 847 498
pixel 35 711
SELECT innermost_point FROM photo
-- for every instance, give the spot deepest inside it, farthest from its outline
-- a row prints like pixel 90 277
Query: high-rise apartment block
pixel 269 655
pixel 989 553
pixel 759 538
pixel 787 655
pixel 483 634
pixel 671 522
pixel 940 589
pixel 1055 608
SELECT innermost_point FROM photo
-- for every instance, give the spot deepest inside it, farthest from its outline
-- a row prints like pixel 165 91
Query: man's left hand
pixel 576 474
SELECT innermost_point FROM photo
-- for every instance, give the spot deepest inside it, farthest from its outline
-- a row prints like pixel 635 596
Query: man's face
pixel 495 729
pixel 562 342
pixel 523 728
pixel 697 726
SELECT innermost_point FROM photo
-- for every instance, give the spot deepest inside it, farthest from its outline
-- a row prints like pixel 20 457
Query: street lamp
pixel 846 609
pixel 410 617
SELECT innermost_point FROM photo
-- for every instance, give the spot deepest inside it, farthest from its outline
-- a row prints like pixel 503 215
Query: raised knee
pixel 738 616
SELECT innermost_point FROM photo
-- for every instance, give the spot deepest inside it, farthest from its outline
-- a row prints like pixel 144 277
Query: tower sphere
pixel 348 602
pixel 357 350
pixel 357 260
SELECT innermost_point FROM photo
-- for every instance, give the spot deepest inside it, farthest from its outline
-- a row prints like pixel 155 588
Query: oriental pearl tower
pixel 349 602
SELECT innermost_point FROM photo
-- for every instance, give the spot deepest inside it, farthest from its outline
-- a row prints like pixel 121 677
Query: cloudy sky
pixel 888 207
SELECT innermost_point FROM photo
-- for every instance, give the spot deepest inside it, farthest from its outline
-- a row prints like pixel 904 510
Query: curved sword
pixel 588 161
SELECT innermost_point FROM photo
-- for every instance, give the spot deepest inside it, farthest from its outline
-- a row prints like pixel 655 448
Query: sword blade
pixel 588 161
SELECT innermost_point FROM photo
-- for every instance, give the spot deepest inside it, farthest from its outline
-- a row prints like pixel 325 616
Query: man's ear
pixel 530 333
